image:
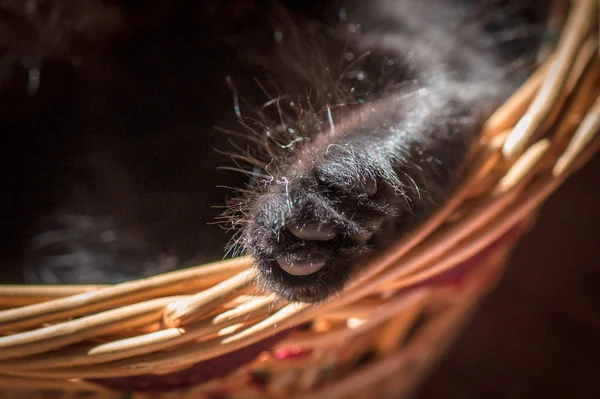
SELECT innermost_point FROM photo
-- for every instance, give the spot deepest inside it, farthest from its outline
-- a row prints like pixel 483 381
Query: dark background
pixel 538 334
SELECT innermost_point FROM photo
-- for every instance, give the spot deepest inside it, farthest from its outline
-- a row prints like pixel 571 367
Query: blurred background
pixel 537 335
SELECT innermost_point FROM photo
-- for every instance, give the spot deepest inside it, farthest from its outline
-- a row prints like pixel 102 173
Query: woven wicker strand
pixel 401 308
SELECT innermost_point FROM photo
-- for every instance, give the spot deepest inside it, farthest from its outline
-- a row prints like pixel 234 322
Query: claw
pixel 312 231
pixel 302 268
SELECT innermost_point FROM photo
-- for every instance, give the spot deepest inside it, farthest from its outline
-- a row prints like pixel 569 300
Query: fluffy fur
pixel 348 120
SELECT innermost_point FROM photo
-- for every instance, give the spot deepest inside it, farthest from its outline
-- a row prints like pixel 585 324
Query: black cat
pixel 349 122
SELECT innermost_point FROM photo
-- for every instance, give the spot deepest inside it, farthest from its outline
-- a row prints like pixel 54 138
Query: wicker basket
pixel 209 332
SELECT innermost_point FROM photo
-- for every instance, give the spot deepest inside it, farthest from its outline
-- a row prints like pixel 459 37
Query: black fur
pixel 368 110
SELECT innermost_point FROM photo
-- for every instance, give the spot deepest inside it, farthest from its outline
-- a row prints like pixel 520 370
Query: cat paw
pixel 313 222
